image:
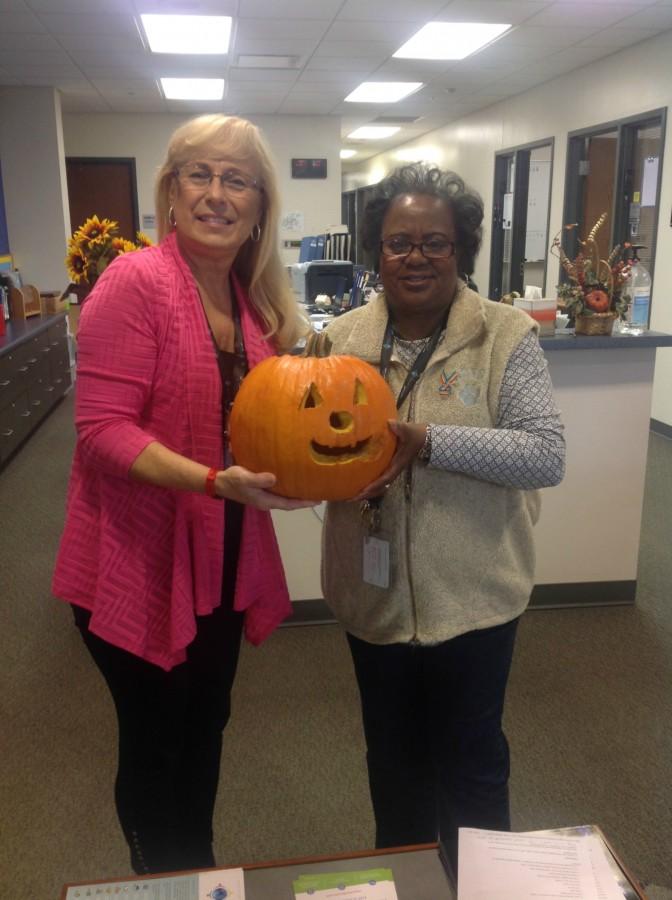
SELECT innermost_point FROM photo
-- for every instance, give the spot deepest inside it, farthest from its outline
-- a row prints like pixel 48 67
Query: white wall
pixel 145 137
pixel 34 184
pixel 627 83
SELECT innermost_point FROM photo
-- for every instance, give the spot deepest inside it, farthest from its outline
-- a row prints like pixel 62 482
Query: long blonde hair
pixel 258 264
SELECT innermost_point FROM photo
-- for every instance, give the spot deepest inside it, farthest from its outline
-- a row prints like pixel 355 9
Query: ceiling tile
pixel 556 36
pixel 659 17
pixel 598 15
pixel 280 29
pixel 325 76
pixel 374 49
pixel 290 9
pixel 18 22
pixel 88 23
pixel 11 55
pixel 338 63
pixel 419 11
pixel 269 76
pixel 397 32
pixel 614 38
pixel 31 41
pixel 512 13
pixel 77 6
pixel 286 47
pixel 102 43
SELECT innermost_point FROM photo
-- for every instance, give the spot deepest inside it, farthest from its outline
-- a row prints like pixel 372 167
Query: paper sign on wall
pixel 650 181
pixel 292 221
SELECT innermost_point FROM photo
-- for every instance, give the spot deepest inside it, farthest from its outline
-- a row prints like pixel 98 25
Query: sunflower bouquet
pixel 596 287
pixel 94 245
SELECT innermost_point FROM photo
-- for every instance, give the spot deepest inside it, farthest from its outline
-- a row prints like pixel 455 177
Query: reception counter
pixel 588 536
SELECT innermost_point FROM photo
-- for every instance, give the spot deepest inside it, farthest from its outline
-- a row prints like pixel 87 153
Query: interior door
pixel 105 188
pixel 520 219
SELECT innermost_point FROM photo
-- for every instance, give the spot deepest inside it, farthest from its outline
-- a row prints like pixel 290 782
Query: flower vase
pixel 598 323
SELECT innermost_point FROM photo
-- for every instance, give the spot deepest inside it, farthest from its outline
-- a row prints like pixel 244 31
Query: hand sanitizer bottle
pixel 640 292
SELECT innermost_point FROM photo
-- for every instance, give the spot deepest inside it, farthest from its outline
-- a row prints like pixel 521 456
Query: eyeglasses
pixel 432 248
pixel 198 177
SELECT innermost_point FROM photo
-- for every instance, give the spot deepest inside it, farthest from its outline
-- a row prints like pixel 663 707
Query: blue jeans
pixel 436 753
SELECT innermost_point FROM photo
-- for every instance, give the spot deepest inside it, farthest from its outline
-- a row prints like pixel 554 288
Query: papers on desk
pixel 373 884
pixel 213 884
pixel 568 864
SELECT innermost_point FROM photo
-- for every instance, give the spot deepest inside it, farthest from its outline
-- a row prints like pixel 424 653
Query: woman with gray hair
pixel 163 539
pixel 431 575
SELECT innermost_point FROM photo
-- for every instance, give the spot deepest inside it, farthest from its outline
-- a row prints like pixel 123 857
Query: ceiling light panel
pixel 193 88
pixel 450 40
pixel 346 154
pixel 382 91
pixel 373 132
pixel 187 34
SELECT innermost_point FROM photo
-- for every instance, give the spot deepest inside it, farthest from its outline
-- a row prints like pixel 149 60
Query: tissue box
pixel 542 311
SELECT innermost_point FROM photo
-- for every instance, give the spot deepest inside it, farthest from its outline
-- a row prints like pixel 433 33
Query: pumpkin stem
pixel 317 344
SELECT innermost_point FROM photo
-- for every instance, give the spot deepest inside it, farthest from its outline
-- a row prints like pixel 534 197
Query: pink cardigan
pixel 146 560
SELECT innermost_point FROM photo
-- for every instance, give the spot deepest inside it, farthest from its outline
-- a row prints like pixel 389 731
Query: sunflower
pixel 75 262
pixel 142 239
pixel 121 245
pixel 94 231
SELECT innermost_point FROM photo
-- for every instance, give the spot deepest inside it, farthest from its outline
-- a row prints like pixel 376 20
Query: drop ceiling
pixel 95 54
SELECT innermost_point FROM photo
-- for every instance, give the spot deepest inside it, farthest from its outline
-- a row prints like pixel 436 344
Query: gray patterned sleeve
pixel 526 448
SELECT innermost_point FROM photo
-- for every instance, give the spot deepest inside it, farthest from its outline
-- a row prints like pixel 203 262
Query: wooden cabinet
pixel 34 375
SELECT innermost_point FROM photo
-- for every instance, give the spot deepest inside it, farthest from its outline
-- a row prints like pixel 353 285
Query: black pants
pixel 436 753
pixel 170 731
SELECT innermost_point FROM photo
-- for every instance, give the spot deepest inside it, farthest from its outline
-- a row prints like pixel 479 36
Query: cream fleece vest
pixel 462 554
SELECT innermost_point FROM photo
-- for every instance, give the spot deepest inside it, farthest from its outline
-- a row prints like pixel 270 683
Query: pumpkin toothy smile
pixel 321 453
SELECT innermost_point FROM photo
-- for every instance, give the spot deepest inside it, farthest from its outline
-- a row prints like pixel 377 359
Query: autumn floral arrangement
pixel 597 287
pixel 94 245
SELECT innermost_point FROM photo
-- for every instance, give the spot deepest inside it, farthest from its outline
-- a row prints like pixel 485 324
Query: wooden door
pixel 598 189
pixel 105 188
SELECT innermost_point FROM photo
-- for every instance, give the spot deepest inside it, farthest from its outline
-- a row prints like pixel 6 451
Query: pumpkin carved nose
pixel 341 421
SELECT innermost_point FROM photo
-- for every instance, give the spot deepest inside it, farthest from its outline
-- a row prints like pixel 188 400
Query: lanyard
pixel 370 509
pixel 420 362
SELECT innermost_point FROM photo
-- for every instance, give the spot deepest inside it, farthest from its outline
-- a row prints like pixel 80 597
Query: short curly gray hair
pixel 421 178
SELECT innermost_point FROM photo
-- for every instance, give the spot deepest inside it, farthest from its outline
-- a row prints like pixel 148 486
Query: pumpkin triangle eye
pixel 360 398
pixel 311 398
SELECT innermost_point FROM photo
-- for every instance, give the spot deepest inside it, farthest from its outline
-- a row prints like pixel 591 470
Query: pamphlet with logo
pixel 214 884
pixel 372 884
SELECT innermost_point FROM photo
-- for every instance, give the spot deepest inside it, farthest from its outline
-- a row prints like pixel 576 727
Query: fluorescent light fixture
pixel 346 154
pixel 450 40
pixel 187 34
pixel 373 132
pixel 193 88
pixel 382 91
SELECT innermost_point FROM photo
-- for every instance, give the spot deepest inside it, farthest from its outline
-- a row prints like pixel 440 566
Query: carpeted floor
pixel 589 715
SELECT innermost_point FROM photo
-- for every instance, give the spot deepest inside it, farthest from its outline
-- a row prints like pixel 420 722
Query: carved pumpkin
pixel 318 424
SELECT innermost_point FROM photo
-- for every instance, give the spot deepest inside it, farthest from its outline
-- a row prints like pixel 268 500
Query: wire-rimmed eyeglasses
pixel 432 248
pixel 198 177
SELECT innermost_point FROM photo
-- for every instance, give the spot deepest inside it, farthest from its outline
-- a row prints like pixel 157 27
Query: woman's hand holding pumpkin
pixel 410 439
pixel 253 489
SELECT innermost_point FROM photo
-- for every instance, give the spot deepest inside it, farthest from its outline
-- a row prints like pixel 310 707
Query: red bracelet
pixel 210 483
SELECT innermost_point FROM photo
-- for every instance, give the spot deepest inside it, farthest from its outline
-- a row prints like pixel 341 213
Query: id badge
pixel 376 561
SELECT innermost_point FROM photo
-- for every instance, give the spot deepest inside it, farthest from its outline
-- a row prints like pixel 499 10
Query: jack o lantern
pixel 318 424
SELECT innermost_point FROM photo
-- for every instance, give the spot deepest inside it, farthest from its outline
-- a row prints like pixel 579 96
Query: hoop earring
pixel 171 218
pixel 255 234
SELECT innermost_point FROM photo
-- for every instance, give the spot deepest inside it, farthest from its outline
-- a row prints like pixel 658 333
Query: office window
pixel 616 168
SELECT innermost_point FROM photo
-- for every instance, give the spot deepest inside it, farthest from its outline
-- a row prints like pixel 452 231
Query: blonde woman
pixel 168 551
